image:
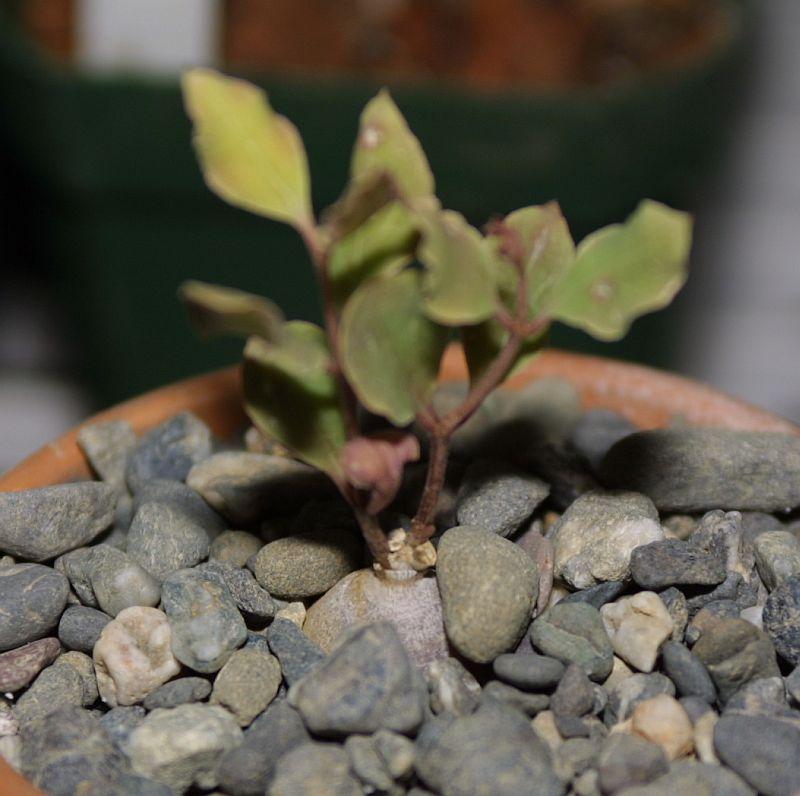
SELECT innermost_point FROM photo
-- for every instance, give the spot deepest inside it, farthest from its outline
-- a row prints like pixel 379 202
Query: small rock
pixel 367 764
pixel 397 753
pixel 206 625
pixel 452 688
pixel 85 667
pixel 677 607
pixel 619 672
pixel 246 684
pixel 306 565
pixel 574 695
pixel 57 686
pixel 498 497
pixel 754 616
pixel 597 431
pixel 108 447
pixel 575 756
pixel 76 566
pixel 297 653
pixel 633 690
pixel 169 451
pixel 767 696
pixel 691 470
pixel 182 499
pixel 18 667
pixel 671 562
pixel 118 582
pixel 690 676
pixel 597 534
pixel 366 684
pixel 637 626
pixel 488 587
pixel 181 746
pixel 38 524
pixel 528 672
pixel 32 599
pixel 254 602
pixel 527 703
pixel 777 556
pixel 124 785
pixel 781 618
pixel 691 777
pixel 764 751
pixel 596 596
pixel 80 628
pixel 704 735
pixel 314 769
pixel 120 722
pixel 544 725
pixel 234 547
pixel 293 612
pixel 793 685
pixel 182 691
pixel 710 616
pixel 735 652
pixel 662 720
pixel 574 633
pixel 628 760
pixel 134 656
pixel 679 526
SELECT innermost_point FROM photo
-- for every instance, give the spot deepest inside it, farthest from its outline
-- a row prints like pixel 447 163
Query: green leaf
pixel 386 144
pixel 458 286
pixel 216 310
pixel 291 395
pixel 250 156
pixel 361 200
pixel 624 271
pixel 390 349
pixel 483 342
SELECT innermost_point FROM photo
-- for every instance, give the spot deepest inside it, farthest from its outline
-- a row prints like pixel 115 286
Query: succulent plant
pixel 400 279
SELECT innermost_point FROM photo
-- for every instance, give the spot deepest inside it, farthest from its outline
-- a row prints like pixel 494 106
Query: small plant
pixel 401 278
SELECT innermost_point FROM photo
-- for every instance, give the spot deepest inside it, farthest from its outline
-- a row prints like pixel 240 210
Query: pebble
pixel 675 602
pixel 169 451
pixel 767 695
pixel 691 470
pixel 118 582
pixel 108 447
pixel 498 497
pixel 764 751
pixel 57 686
pixel 297 653
pixel 488 587
pixel 574 633
pixel 366 684
pixel 246 684
pixel 493 751
pixel 704 735
pixel 597 431
pixel 182 746
pixel 662 720
pixel 691 777
pixel 18 667
pixel 709 616
pixel 575 756
pixel 530 672
pixel 619 672
pixel 777 555
pixel 792 682
pixel 574 695
pixel 84 665
pixel 314 769
pixel 397 753
pixel 234 547
pixel 781 619
pixel 183 499
pixel 32 599
pixel 120 722
pixel 39 524
pixel 597 534
pixel 452 688
pixel 625 696
pixel 134 656
pixel 596 596
pixel 367 765
pixel 527 703
pixel 627 760
pixel 206 624
pixel 76 566
pixel 637 626
pixel 690 676
pixel 245 487
pixel 672 562
pixel 293 612
pixel 735 652
pixel 178 692
pixel 308 564
pixel 80 627
pixel 255 603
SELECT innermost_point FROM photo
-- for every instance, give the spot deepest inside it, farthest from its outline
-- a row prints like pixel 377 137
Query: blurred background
pixel 595 102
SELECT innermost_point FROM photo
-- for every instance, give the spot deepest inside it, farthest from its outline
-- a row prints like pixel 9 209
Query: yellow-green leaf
pixel 361 200
pixel 482 344
pixel 624 271
pixel 291 395
pixel 390 349
pixel 250 156
pixel 216 310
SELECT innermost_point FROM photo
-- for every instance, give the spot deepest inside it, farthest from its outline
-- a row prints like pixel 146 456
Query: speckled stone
pixel 297 653
pixel 178 692
pixel 75 566
pixel 120 722
pixel 84 665
pixel 119 582
pixel 19 666
pixel 108 447
pixel 255 603
pixel 246 684
pixel 183 499
pixel 672 562
pixel 57 686
pixel 234 547
pixel 777 555
pixel 574 695
pixel 528 672
pixel 80 627
pixel 39 524
pixel 316 769
pixel 781 619
pixel 488 587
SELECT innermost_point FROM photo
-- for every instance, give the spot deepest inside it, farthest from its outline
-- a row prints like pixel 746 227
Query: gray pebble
pixel 254 602
pixel 234 547
pixel 314 769
pixel 596 596
pixel 108 447
pixel 574 695
pixel 257 640
pixel 672 562
pixel 575 756
pixel 367 764
pixel 76 566
pixel 181 498
pixel 597 431
pixel 625 696
pixel 781 619
pixel 792 683
pixel 765 696
pixel 692 777
pixel 178 692
pixel 690 676
pixel 695 707
pixel 119 582
pixel 675 602
pixel 777 556
pixel 246 684
pixel 297 653
pixel 57 686
pixel 452 688
pixel 120 722
pixel 527 703
pixel 709 616
pixel 528 672
pixel 80 627
pixel 628 760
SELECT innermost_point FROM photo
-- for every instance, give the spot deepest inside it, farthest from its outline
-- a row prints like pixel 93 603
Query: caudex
pixel 400 278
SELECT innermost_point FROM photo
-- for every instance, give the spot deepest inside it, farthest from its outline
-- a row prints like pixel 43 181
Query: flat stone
pixel 695 469
pixel 523 701
pixel 169 451
pixel 32 599
pixel 637 626
pixel 80 627
pixel 672 562
pixel 108 447
pixel 493 751
pixel 628 693
pixel 663 720
pixel 183 499
pixel 690 676
pixel 777 555
pixel 182 691
pixel 234 547
pixel 297 653
pixel 306 565
pixel 528 672
pixel 628 760
pixel 182 746
pixel 314 768
pixel 781 619
pixel 488 587
pixel 134 656
pixel 366 684
pixel 735 652
pixel 574 695
pixel 255 603
pixel 246 684
pixel 39 524
pixel 498 497
pixel 57 686
pixel 118 582
pixel 709 616
pixel 691 777
pixel 19 666
pixel 574 633
pixel 764 751
pixel 596 596
pixel 452 688
pixel 206 624
pixel 596 535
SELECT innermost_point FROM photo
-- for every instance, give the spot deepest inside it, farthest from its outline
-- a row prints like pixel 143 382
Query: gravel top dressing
pixel 611 611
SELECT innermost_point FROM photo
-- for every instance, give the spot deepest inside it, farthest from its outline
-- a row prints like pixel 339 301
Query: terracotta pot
pixel 649 398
